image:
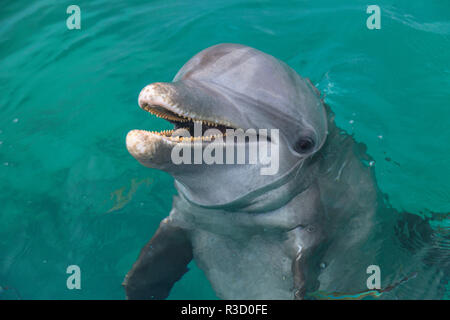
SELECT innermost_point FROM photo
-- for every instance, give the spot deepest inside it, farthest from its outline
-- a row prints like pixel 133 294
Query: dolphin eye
pixel 304 144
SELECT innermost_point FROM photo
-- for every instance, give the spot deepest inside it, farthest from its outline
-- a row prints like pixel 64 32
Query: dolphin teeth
pixel 166 133
pixel 181 116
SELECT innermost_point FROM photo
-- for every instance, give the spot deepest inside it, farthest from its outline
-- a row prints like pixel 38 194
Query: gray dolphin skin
pixel 310 230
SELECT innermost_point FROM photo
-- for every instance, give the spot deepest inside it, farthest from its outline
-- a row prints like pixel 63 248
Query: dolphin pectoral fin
pixel 298 270
pixel 161 263
pixel 305 278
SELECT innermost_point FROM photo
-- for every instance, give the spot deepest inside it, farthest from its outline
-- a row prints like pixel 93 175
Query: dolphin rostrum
pixel 310 228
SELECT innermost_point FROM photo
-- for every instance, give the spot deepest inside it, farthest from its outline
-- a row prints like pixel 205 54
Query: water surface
pixel 71 194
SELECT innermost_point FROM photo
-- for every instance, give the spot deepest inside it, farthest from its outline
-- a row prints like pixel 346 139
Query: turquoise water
pixel 71 194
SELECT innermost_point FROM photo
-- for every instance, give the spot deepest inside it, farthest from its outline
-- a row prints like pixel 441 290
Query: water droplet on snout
pixel 323 265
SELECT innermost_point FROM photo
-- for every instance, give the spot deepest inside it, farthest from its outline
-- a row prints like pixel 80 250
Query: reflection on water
pixel 120 200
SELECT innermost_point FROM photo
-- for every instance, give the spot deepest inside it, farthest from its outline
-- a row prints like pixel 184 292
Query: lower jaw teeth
pixel 190 138
pixel 183 134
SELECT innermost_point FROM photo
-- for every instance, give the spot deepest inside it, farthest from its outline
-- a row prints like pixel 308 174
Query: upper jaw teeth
pixel 182 117
pixel 183 134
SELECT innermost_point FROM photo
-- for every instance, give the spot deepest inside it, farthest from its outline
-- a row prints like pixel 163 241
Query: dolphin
pixel 311 228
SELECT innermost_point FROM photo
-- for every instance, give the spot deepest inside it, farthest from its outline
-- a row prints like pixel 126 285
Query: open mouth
pixel 186 123
pixel 193 120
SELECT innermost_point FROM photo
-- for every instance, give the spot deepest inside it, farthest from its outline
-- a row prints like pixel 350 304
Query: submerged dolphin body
pixel 314 226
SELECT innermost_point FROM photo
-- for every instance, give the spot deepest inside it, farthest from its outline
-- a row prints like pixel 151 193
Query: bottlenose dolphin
pixel 310 230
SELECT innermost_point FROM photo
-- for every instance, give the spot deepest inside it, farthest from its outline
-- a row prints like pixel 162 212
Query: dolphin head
pixel 233 88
